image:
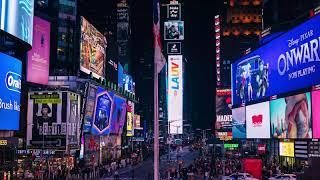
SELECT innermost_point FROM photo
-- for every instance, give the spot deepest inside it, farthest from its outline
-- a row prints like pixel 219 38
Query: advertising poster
pixel 118 115
pixel 175 94
pixel 174 30
pixel 286 149
pixel 174 12
pixel 89 109
pixel 291 117
pixel 92 50
pixel 130 116
pixel 10 85
pixel 101 120
pixel 223 123
pixel 290 61
pixel 174 47
pixel 17 18
pixel 258 120
pixel 74 124
pixel 39 55
pixel 239 122
pixel 136 122
pixel 316 114
pixel 47 115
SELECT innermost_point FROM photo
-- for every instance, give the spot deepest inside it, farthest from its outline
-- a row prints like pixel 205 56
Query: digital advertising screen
pixel 89 108
pixel 258 120
pixel 175 94
pixel 316 114
pixel 174 30
pixel 10 85
pixel 286 149
pixel 47 119
pixel 239 122
pixel 223 123
pixel 291 117
pixel 17 18
pixel 174 11
pixel 101 120
pixel 118 115
pixel 93 46
pixel 39 55
pixel 290 61
pixel 73 122
pixel 130 116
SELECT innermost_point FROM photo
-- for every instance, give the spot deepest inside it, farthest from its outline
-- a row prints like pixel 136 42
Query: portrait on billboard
pixel 118 116
pixel 93 46
pixel 291 117
pixel 316 114
pixel 258 120
pixel 174 30
pixel 239 122
pixel 47 119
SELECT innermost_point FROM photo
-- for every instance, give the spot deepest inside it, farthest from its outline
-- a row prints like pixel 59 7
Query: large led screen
pixel 290 61
pixel 316 114
pixel 110 113
pixel 16 18
pixel 39 55
pixel 89 108
pixel 174 30
pixel 239 122
pixel 258 120
pixel 10 85
pixel 286 149
pixel 175 95
pixel 130 116
pixel 92 50
pixel 291 117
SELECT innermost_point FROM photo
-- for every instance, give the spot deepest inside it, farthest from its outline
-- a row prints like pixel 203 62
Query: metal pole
pixel 156 126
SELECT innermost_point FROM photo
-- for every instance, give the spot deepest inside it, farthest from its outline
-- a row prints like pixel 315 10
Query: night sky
pixel 199 52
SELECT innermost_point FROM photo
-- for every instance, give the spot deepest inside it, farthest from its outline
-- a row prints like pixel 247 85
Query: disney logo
pixel 292 42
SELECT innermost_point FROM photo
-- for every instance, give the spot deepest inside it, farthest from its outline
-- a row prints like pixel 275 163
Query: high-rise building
pixel 240 26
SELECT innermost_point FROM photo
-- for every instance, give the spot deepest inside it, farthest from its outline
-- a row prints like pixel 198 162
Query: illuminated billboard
pixel 118 115
pixel 286 148
pixel 53 119
pixel 258 120
pixel 92 50
pixel 10 84
pixel 290 61
pixel 39 55
pixel 223 123
pixel 316 114
pixel 174 30
pixel 291 117
pixel 175 94
pixel 130 116
pixel 17 18
pixel 239 122
pixel 89 108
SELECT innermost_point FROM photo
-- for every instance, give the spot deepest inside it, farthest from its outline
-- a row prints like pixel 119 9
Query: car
pixel 284 176
pixel 239 176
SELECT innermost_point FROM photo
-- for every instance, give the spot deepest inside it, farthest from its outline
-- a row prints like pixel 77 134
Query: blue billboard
pixel 10 85
pixel 16 18
pixel 287 63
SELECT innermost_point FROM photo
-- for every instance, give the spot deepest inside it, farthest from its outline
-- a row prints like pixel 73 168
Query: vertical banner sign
pixel 123 30
pixel 73 124
pixel 130 114
pixel 223 125
pixel 175 95
pixel 39 55
pixel 217 34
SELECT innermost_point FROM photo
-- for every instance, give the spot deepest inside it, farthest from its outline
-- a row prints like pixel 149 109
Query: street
pixel 144 172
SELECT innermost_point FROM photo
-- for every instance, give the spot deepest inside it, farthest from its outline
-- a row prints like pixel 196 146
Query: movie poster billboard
pixel 53 118
pixel 118 115
pixel 39 55
pixel 290 61
pixel 130 116
pixel 93 46
pixel 316 114
pixel 223 123
pixel 239 122
pixel 175 94
pixel 291 117
pixel 89 108
pixel 258 120
pixel 10 85
pixel 17 18
pixel 174 30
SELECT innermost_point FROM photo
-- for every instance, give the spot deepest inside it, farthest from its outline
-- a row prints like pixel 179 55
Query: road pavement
pixel 144 170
